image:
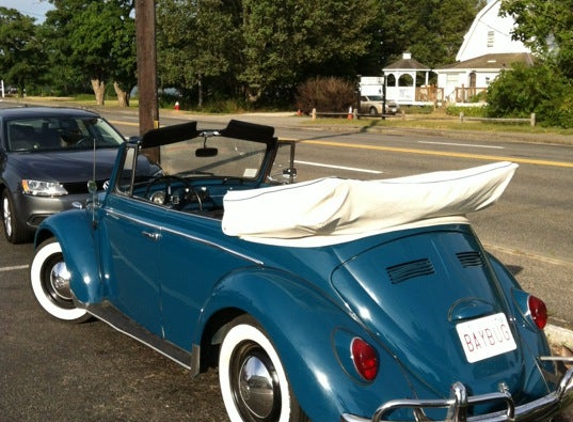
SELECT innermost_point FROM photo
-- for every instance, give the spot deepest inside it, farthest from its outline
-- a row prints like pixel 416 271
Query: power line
pixel 27 12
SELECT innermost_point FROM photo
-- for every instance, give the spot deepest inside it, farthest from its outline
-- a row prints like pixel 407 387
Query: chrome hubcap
pixel 7 216
pixel 256 387
pixel 60 281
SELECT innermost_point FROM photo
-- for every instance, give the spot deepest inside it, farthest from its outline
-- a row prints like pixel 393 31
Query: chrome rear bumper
pixel 460 402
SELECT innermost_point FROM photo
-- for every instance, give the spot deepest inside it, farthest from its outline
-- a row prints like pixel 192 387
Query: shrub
pixel 326 94
pixel 557 113
pixel 540 89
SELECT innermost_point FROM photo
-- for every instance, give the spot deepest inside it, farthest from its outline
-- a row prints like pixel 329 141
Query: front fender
pixel 74 231
pixel 306 327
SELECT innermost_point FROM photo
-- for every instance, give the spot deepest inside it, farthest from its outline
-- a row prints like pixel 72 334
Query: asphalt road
pixel 51 371
pixel 89 372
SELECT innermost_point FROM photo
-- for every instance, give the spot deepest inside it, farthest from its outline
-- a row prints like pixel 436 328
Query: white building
pixel 407 81
pixel 487 49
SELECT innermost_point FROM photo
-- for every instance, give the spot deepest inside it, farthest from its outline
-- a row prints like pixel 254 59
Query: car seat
pixel 21 137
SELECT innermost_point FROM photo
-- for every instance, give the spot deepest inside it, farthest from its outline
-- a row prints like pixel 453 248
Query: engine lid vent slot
pixel 470 259
pixel 408 270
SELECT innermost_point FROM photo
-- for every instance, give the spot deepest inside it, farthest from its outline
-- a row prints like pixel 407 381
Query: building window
pixel 490 39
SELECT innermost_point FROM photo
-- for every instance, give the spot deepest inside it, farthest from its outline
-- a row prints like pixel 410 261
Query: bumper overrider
pixel 460 402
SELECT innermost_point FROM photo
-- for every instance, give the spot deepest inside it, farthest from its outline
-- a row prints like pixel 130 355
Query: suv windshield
pixel 60 133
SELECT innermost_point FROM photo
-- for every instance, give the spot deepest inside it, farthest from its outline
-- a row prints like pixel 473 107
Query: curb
pixel 559 336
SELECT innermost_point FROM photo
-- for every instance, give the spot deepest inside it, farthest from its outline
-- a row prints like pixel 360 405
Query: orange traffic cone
pixel 176 106
pixel 350 116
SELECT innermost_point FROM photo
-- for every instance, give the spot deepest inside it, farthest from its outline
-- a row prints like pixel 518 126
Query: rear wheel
pixel 50 280
pixel 254 384
pixel 14 230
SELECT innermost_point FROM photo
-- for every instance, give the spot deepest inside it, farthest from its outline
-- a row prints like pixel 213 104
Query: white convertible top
pixel 330 210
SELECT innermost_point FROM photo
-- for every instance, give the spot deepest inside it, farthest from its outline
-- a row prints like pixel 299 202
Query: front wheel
pixel 254 384
pixel 50 281
pixel 14 230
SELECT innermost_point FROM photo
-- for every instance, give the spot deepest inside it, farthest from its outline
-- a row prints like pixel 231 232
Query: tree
pixel 432 30
pixel 98 39
pixel 261 48
pixel 285 42
pixel 546 27
pixel 21 59
pixel 197 42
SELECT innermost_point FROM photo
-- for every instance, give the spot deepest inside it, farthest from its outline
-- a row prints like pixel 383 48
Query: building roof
pixel 407 63
pixel 491 61
pixel 488 20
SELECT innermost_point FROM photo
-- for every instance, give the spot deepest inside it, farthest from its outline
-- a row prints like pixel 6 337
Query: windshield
pixel 193 175
pixel 60 133
pixel 215 156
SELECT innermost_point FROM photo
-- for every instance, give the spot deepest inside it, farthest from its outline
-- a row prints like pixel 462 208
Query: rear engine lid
pixel 432 298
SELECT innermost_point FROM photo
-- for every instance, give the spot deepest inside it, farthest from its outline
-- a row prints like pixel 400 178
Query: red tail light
pixel 365 359
pixel 538 311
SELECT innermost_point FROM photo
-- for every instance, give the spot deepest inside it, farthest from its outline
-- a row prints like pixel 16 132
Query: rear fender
pixel 532 338
pixel 306 328
pixel 73 229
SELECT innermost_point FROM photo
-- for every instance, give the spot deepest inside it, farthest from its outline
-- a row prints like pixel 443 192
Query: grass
pixel 436 120
pixel 443 122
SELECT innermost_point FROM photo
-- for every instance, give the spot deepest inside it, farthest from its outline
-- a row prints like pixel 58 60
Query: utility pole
pixel 147 70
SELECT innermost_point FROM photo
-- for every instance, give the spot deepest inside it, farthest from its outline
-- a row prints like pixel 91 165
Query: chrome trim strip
pixel 540 409
pixel 114 213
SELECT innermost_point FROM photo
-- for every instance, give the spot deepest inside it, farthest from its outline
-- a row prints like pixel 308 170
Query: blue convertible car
pixel 326 300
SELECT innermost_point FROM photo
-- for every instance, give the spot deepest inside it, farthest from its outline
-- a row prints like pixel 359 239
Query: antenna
pixel 92 187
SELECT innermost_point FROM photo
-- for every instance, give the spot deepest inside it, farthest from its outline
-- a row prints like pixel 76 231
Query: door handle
pixel 152 236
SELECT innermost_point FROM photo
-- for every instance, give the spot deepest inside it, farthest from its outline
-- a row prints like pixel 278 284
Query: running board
pixel 111 316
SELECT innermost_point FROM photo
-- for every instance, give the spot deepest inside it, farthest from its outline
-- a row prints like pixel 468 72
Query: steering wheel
pixel 165 196
pixel 85 141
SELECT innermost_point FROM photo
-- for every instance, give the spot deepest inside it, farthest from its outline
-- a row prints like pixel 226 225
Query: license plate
pixel 485 337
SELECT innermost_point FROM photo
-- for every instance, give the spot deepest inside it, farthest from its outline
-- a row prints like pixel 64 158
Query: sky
pixel 33 8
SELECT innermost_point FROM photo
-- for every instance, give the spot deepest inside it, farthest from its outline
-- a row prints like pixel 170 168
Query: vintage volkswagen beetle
pixel 326 300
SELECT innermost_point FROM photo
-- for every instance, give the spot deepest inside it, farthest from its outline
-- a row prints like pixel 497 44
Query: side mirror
pixel 290 172
pixel 92 187
pixel 206 152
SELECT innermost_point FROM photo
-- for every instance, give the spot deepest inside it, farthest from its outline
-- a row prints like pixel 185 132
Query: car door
pixel 132 238
pixel 194 256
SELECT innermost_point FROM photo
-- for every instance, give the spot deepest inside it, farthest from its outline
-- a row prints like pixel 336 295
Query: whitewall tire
pixel 50 283
pixel 254 384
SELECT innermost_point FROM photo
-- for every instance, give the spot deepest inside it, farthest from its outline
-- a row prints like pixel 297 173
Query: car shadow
pixel 514 269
